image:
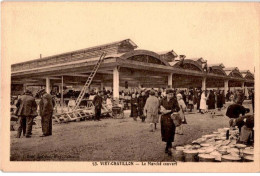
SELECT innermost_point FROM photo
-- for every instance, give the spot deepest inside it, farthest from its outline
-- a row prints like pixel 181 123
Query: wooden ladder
pixel 89 80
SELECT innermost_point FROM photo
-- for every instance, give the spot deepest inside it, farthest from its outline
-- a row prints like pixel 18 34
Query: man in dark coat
pixel 228 96
pixel 219 100
pixel 198 101
pixel 26 111
pixel 141 103
pixel 46 106
pixel 235 110
pixel 169 104
pixel 97 101
pixel 134 106
pixel 211 100
pixel 223 97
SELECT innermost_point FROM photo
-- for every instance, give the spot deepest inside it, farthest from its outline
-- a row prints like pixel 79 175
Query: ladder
pixel 89 80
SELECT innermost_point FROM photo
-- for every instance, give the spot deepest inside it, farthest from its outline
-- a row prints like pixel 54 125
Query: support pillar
pixel 225 87
pixel 101 86
pixel 139 86
pixel 170 80
pixel 48 85
pixel 24 87
pixel 243 85
pixel 115 83
pixel 203 83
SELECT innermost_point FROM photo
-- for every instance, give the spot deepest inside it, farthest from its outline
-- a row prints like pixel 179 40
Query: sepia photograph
pixel 130 86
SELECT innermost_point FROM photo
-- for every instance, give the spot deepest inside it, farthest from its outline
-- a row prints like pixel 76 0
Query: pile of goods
pixel 221 146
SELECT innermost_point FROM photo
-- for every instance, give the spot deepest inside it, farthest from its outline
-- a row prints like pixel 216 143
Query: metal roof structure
pixel 137 66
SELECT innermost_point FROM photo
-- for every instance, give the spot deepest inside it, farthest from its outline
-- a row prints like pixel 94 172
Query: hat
pixel 179 95
pixel 27 91
pixel 152 92
pixel 168 91
pixel 41 91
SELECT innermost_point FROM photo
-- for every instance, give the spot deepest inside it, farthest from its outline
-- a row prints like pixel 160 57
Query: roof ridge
pixel 80 50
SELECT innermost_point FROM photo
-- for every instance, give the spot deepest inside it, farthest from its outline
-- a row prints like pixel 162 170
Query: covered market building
pixel 124 64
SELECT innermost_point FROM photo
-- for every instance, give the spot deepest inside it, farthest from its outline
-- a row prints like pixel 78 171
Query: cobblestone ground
pixel 109 139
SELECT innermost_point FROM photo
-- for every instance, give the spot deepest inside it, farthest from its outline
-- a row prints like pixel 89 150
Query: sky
pixel 225 33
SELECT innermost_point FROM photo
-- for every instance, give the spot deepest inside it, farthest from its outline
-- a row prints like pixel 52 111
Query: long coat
pixel 26 106
pixel 134 107
pixel 46 106
pixel 219 100
pixel 167 125
pixel 141 104
pixel 97 101
pixel 211 101
pixel 203 100
pixel 152 108
pixel 223 98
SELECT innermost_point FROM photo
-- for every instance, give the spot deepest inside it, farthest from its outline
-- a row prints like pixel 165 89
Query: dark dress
pixel 219 101
pixel 141 103
pixel 134 107
pixel 211 101
pixel 167 125
pixel 223 98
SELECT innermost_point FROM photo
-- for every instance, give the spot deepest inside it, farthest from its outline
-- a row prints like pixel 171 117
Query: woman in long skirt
pixel 169 105
pixel 134 106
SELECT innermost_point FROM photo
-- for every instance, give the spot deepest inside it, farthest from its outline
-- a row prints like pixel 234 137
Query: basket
pixel 190 155
pixel 178 154
pixel 206 158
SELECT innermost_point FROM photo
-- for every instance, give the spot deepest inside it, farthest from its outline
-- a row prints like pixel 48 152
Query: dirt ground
pixel 109 139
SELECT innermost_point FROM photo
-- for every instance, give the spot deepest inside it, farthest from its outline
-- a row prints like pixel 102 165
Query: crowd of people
pixel 148 105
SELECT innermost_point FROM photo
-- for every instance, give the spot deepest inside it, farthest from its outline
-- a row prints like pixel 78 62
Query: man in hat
pixel 97 101
pixel 46 106
pixel 26 111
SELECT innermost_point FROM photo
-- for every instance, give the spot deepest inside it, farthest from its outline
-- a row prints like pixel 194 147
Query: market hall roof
pixel 247 74
pixel 189 64
pixel 217 69
pixel 233 72
pixel 125 54
pixel 168 56
pixel 122 46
